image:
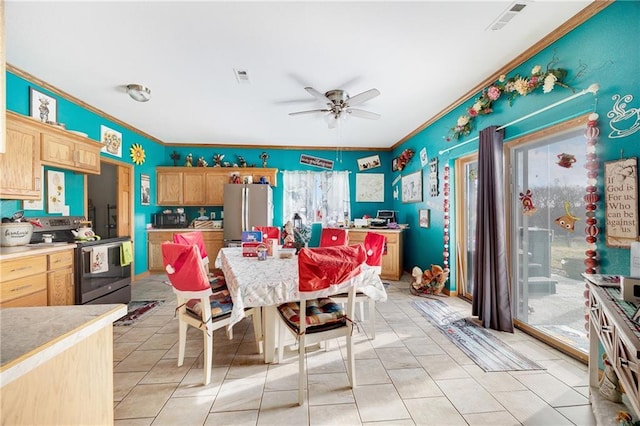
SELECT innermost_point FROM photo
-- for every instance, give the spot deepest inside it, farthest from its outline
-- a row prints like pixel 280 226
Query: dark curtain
pixel 491 296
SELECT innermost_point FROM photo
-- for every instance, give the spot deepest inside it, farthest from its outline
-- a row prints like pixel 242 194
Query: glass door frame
pixel 461 218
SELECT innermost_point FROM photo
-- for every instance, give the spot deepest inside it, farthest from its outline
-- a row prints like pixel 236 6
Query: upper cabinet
pixel 63 149
pixel 20 163
pixel 203 186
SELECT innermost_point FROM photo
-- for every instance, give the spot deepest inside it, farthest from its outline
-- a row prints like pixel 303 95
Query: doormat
pixel 484 348
pixel 137 310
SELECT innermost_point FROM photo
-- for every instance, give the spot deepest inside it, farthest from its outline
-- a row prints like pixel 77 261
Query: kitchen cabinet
pixel 69 151
pixel 202 186
pixel 213 242
pixel 60 286
pixel 392 259
pixel 20 163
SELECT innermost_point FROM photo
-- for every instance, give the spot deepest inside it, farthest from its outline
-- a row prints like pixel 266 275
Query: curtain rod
pixel 591 89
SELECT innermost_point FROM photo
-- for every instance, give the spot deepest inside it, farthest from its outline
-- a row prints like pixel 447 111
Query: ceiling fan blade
pixel 318 95
pixel 363 114
pixel 363 97
pixel 312 111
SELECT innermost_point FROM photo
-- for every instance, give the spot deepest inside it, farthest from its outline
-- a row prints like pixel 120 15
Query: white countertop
pixel 31 336
pixel 21 251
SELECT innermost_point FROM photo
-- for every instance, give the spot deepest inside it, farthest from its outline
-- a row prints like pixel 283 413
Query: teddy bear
pixel 430 281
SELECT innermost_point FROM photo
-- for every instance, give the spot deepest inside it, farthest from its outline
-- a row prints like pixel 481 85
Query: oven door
pixel 99 274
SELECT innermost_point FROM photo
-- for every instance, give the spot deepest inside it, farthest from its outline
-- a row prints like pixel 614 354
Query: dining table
pixel 274 281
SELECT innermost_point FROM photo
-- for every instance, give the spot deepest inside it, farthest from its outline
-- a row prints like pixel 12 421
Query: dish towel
pixel 126 253
pixel 99 260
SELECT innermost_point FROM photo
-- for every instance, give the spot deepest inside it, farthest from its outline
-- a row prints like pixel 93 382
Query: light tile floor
pixel 409 375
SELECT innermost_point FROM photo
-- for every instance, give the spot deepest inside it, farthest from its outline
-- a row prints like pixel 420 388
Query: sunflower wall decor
pixel 137 154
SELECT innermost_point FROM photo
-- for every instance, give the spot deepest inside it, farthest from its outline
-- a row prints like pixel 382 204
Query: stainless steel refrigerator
pixel 245 206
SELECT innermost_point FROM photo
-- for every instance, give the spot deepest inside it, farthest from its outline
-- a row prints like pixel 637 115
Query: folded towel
pixel 126 253
pixel 99 259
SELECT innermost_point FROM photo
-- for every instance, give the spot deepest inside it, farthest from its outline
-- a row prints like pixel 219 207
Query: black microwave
pixel 169 220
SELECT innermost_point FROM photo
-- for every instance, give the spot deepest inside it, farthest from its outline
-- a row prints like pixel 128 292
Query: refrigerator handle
pixel 243 210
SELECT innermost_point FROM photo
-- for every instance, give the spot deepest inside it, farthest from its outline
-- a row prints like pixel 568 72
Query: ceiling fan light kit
pixel 139 92
pixel 339 105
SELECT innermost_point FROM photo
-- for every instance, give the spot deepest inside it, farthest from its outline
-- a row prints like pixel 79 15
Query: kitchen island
pixel 56 364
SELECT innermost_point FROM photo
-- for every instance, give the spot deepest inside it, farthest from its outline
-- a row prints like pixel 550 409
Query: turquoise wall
pixel 607 47
pixel 77 118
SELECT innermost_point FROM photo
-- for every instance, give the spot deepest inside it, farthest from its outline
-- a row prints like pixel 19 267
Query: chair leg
pixel 372 317
pixel 302 374
pixel 208 354
pixel 361 303
pixel 182 341
pixel 351 364
pixel 257 328
pixel 280 331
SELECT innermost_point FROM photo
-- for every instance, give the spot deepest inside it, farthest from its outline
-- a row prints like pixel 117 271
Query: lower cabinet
pixel 392 258
pixel 213 242
pixel 39 280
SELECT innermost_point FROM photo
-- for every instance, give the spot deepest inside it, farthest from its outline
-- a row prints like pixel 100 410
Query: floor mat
pixel 137 310
pixel 484 348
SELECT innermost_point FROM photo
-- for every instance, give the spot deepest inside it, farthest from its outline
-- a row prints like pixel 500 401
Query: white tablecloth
pixel 274 281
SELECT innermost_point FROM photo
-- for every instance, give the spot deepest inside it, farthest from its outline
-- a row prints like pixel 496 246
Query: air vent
pixel 242 76
pixel 507 15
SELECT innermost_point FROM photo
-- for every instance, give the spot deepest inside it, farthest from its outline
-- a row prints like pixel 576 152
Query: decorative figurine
pixel 217 160
pixel 226 164
pixel 188 160
pixel 202 162
pixel 288 235
pixel 242 161
pixel 175 157
pixel 264 157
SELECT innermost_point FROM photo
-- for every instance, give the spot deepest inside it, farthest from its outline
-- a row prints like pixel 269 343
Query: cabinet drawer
pixel 23 286
pixel 33 299
pixel 61 259
pixel 22 267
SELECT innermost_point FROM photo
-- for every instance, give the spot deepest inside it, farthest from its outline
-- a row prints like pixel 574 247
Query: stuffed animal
pixel 430 281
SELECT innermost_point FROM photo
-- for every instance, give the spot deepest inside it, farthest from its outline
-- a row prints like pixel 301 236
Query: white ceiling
pixel 421 55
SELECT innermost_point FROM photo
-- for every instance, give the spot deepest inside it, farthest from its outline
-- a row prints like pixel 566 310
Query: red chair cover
pixel 271 232
pixel 331 237
pixel 374 247
pixel 319 268
pixel 190 239
pixel 184 267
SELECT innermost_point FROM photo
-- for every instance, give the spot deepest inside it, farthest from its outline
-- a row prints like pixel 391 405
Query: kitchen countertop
pixel 31 336
pixel 374 229
pixel 184 229
pixel 21 251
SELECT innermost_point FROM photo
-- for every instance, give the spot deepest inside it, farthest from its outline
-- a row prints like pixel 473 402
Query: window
pixel 316 197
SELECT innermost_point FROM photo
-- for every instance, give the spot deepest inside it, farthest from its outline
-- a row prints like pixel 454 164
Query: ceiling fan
pixel 339 105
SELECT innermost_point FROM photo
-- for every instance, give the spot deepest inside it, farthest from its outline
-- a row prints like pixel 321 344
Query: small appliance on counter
pixel 383 219
pixel 170 220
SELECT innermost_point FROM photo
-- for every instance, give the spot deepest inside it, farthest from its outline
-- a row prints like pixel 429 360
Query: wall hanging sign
pixel 43 107
pixel 423 218
pixel 424 159
pixel 55 192
pixel 367 163
pixel 621 201
pixel 624 122
pixel 370 187
pixel 412 187
pixel 316 162
pixel 433 177
pixel 111 140
pixel 145 190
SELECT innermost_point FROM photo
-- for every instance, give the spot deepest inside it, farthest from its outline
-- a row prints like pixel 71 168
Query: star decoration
pixel 137 154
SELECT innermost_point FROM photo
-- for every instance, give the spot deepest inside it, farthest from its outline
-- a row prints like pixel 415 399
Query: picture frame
pixel 367 163
pixel 112 141
pixel 43 107
pixel 369 187
pixel 412 187
pixel 423 218
pixel 145 190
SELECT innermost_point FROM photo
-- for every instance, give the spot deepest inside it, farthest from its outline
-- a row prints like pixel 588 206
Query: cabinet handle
pixel 624 362
pixel 24 268
pixel 21 287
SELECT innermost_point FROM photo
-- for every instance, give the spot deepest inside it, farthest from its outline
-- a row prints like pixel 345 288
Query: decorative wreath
pixel 137 154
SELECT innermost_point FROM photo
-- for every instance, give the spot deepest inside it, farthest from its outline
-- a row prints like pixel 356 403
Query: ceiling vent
pixel 507 15
pixel 242 76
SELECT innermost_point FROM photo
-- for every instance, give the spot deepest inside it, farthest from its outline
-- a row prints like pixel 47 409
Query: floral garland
pixel 512 88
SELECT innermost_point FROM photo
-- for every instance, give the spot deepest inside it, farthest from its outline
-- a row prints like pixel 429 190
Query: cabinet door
pixel 58 151
pixel 60 290
pixel 169 188
pixel 213 242
pixel 87 158
pixel 20 164
pixel 193 192
pixel 154 250
pixel 214 182
pixel 391 262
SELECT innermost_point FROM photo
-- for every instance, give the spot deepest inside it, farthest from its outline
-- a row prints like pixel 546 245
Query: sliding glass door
pixel 547 236
pixel 467 181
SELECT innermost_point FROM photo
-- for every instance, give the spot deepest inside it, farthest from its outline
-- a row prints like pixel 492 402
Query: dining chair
pixel 374 245
pixel 316 317
pixel 191 238
pixel 330 237
pixel 201 305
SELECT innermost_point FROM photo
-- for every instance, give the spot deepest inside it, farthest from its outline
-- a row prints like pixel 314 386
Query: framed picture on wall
pixel 145 190
pixel 412 187
pixel 43 107
pixel 423 218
